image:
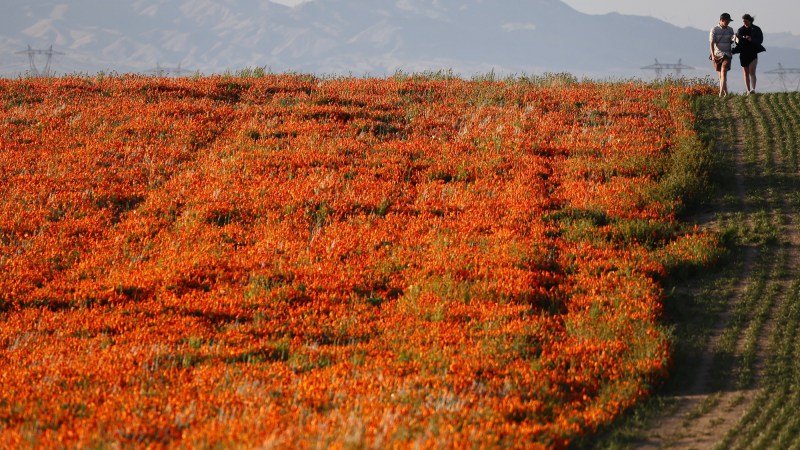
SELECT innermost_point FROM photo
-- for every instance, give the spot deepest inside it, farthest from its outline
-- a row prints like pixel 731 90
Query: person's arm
pixel 711 44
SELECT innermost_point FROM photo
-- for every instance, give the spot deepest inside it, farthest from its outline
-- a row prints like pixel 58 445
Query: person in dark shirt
pixel 748 44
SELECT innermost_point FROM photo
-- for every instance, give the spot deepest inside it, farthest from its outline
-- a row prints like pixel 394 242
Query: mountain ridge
pixel 352 37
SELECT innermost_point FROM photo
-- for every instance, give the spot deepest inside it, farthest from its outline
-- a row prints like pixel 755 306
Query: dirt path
pixel 705 407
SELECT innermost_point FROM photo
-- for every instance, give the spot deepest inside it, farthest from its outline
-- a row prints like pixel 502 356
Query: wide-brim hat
pixel 725 16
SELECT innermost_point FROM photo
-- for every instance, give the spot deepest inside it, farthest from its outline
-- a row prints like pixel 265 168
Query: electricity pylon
pixel 160 71
pixel 660 67
pixel 31 52
pixel 782 72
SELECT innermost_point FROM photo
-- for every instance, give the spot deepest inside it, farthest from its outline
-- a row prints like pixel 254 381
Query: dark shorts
pixel 746 59
pixel 721 64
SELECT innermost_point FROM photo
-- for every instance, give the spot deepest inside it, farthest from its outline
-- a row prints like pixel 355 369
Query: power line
pixel 31 52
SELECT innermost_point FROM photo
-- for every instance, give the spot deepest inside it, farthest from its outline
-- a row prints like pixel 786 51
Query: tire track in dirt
pixel 705 410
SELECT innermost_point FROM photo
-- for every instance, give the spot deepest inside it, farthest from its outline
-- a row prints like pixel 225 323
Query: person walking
pixel 748 45
pixel 721 45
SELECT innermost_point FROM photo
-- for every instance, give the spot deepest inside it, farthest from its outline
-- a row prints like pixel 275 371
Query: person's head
pixel 748 20
pixel 724 19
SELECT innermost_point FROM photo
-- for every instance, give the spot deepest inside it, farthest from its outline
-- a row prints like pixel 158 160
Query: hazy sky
pixel 773 16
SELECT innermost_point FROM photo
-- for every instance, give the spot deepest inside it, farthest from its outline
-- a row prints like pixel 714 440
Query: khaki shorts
pixel 723 63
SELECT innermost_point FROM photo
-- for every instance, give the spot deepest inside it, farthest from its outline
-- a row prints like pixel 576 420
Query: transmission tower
pixel 31 52
pixel 660 67
pixel 160 71
pixel 782 73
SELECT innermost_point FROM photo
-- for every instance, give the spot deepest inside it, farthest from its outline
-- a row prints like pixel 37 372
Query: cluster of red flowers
pixel 293 261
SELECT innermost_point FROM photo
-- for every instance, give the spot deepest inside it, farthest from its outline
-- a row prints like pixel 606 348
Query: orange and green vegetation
pixel 292 261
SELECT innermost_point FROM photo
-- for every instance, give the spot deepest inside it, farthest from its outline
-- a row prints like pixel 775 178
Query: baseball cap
pixel 725 16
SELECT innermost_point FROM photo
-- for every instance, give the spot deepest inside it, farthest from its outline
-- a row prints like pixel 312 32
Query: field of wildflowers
pixel 297 262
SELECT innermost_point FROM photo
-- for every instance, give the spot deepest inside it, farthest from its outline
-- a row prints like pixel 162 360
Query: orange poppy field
pixel 300 262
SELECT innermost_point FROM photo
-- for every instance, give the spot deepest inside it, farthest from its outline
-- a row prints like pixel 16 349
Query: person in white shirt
pixel 721 42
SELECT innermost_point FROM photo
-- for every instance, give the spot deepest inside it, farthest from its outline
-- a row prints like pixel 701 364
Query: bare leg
pixel 751 71
pixel 723 82
pixel 746 71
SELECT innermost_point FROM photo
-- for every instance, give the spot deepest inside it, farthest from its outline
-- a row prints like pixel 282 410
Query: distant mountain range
pixel 359 37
